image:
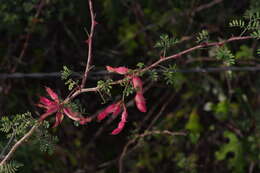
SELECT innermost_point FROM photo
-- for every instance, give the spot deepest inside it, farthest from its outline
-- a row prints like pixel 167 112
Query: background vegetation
pixel 219 111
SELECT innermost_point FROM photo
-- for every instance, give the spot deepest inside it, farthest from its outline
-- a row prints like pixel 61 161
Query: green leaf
pixel 237 23
pixel 65 73
pixel 169 75
pixel 105 86
pixel 18 125
pixel 233 146
pixel 203 36
pixel 153 75
pixel 10 167
pixel 245 52
pixel 193 123
pixel 140 65
pixel 165 42
pixel 224 54
pixel 221 110
pixel 71 84
pixel 256 34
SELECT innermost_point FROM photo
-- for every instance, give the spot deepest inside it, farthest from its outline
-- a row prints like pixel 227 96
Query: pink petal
pixel 140 102
pixel 102 115
pixel 137 83
pixel 45 101
pixel 117 109
pixel 54 106
pixel 113 108
pixel 48 113
pixel 84 120
pixel 106 111
pixel 72 115
pixel 59 118
pixel 52 94
pixel 119 70
pixel 119 128
pixel 121 123
pixel 41 106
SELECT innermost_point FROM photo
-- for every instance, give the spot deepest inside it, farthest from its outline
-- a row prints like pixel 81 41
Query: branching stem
pixel 161 60
pixel 18 143
pixel 95 89
pixel 89 41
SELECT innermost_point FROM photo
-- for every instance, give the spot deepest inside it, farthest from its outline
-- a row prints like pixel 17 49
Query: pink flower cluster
pixel 116 107
pixel 55 106
pixel 137 84
pixel 139 98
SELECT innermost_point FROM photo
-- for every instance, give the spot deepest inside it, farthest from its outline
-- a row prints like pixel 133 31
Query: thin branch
pixel 78 92
pixel 163 97
pixel 208 5
pixel 19 143
pixel 147 133
pixel 160 112
pixel 175 56
pixel 203 45
pixel 94 89
pixel 6 146
pixel 89 41
pixel 28 36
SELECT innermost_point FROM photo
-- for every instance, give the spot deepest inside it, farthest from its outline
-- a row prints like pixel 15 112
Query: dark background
pixel 224 138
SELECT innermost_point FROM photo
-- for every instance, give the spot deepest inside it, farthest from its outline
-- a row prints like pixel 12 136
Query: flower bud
pixel 140 102
pixel 119 70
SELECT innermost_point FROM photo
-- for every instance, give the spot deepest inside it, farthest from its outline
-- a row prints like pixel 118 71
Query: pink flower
pixel 113 108
pixel 122 122
pixel 119 70
pixel 139 98
pixel 140 102
pixel 53 106
pixel 85 120
pixel 137 83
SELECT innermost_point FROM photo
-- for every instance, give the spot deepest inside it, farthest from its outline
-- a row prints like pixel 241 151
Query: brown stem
pixel 206 6
pixel 175 56
pixel 17 144
pixel 147 133
pixel 78 92
pixel 203 45
pixel 89 42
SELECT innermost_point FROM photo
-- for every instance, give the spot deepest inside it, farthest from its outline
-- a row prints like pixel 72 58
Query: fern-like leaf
pixel 65 73
pixel 153 75
pixel 252 15
pixel 256 34
pixel 18 125
pixel 10 167
pixel 203 36
pixel 165 42
pixel 224 54
pixel 169 75
pixel 237 23
pixel 6 124
pixel 254 25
